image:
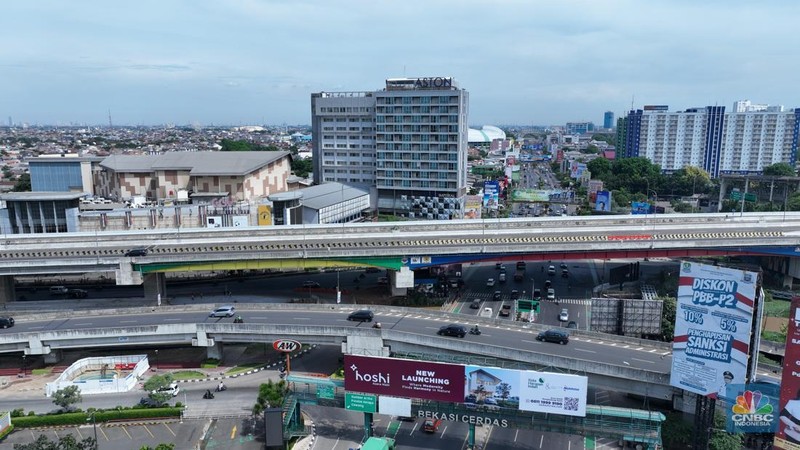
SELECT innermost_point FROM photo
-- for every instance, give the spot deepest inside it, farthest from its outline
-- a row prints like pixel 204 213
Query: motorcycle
pixel 208 395
pixel 475 330
pixel 221 388
pixel 238 319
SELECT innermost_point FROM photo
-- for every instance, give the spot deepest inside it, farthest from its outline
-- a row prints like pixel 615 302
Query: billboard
pixel 751 408
pixel 492 388
pixel 712 328
pixel 555 393
pixel 404 378
pixel 603 201
pixel 472 207
pixel 491 194
pixel 576 169
pixel 788 435
pixel 640 208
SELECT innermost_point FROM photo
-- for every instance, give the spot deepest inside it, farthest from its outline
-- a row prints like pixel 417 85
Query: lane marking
pixel 125 429
pixel 173 320
pixel 233 432
pixel 584 350
pixel 148 431
pixel 128 321
pixel 643 360
pixel 170 429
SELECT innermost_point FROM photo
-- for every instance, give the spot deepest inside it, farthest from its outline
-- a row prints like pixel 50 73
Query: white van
pixel 58 290
pixel 487 312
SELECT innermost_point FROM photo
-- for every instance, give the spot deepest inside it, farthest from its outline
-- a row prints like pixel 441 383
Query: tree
pixel 161 446
pixel 668 310
pixel 23 183
pixel 780 170
pixel 230 145
pixel 155 383
pixel 721 439
pixel 67 397
pixel 689 180
pixel 301 167
pixel 67 442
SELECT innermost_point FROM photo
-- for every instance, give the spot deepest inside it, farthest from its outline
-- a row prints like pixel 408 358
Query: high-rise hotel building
pixel 408 141
pixel 719 143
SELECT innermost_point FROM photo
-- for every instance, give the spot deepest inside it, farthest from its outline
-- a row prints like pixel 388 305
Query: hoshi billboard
pixel 404 378
pixel 554 393
pixel 712 327
pixel 788 434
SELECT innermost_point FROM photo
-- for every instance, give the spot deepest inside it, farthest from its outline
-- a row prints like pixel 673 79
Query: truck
pixel 378 443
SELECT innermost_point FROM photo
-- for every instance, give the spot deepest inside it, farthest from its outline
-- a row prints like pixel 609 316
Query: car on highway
pixel 564 273
pixel 6 322
pixel 136 252
pixel 490 282
pixel 363 315
pixel 172 389
pixel 453 329
pixel 150 402
pixel 77 293
pixel 514 294
pixel 223 311
pixel 373 270
pixel 58 290
pixel 563 316
pixel 520 265
pixel 551 294
pixel 431 425
pixel 475 304
pixel 498 295
pixel 572 324
pixel 537 295
pixel 502 277
pixel 547 284
pixel 310 284
pixel 563 266
pixel 499 266
pixel 551 270
pixel 557 336
pixel 505 311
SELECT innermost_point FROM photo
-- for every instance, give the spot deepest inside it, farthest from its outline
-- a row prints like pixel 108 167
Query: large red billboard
pixel 404 378
pixel 788 435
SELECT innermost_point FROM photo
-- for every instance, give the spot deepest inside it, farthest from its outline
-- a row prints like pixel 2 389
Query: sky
pixel 255 62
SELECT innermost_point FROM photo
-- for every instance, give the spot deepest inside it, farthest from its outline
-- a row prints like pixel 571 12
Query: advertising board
pixel 472 207
pixel 491 194
pixel 788 435
pixel 404 378
pixel 603 201
pixel 712 327
pixel 751 408
pixel 554 393
pixel 640 208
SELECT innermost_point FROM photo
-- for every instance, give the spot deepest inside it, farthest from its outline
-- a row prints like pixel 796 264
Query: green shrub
pixel 6 432
pixel 19 412
pixel 75 418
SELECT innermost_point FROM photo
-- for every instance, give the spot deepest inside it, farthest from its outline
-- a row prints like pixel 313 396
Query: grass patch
pixel 210 363
pixel 256 349
pixel 777 308
pixel 45 371
pixel 773 336
pixel 242 368
pixel 188 375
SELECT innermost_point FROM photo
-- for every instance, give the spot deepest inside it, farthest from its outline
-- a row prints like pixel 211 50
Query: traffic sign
pixel 524 305
pixel 360 402
pixel 736 195
pixel 750 197
pixel 326 392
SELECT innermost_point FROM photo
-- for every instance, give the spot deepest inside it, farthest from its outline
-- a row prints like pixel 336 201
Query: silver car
pixel 223 311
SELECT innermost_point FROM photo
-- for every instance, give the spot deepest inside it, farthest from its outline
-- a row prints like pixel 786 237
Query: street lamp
pixel 94 427
pixel 155 360
pixel 24 366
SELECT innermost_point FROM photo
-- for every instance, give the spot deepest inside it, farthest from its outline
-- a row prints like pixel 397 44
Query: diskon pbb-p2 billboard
pixel 712 327
pixel 404 378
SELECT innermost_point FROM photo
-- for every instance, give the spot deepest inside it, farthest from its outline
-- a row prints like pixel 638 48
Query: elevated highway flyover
pixel 611 362
pixel 398 246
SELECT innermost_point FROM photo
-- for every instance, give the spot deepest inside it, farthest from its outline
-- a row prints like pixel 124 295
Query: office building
pixel 415 156
pixel 707 137
pixel 63 173
pixel 608 120
pixel 579 127
pixel 343 137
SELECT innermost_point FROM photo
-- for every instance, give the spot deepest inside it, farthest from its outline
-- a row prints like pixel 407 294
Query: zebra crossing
pixel 489 296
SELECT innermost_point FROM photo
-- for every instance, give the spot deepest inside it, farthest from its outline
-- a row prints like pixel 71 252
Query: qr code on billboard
pixel 571 403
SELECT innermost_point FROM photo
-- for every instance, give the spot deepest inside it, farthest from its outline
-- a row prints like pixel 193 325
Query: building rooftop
pixel 197 163
pixel 42 196
pixel 322 195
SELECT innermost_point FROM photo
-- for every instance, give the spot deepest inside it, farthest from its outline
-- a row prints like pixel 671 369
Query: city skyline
pixel 256 62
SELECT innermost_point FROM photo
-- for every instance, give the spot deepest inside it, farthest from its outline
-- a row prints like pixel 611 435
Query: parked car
pixel 572 324
pixel 497 296
pixel 547 284
pixel 551 270
pixel 150 402
pixel 520 265
pixel 310 284
pixel 490 282
pixel 557 336
pixel 172 389
pixel 363 315
pixel 58 290
pixel 453 329
pixel 564 315
pixel 551 294
pixel 6 322
pixel 487 312
pixel 475 304
pixel 537 295
pixel 564 266
pixel 223 311
pixel 505 311
pixel 564 273
pixel 502 277
pixel 514 294
pixel 498 266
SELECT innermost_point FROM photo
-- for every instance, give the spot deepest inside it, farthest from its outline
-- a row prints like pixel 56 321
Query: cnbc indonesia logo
pixel 752 409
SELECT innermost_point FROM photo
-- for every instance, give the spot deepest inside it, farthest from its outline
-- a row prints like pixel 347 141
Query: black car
pixel 6 322
pixel 77 293
pixel 514 294
pixel 497 296
pixel 475 304
pixel 558 336
pixel 453 329
pixel 136 252
pixel 150 402
pixel 363 315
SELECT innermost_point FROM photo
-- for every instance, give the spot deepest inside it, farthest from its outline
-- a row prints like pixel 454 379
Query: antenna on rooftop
pixel 632 98
pixel 110 124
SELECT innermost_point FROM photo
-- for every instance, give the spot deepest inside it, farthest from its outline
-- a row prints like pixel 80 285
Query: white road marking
pixel 531 342
pixel 584 350
pixel 173 320
pixel 83 324
pixel 643 360
pixel 128 321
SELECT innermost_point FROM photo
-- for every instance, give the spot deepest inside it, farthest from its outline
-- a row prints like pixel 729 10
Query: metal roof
pixel 197 163
pixel 327 194
pixel 42 196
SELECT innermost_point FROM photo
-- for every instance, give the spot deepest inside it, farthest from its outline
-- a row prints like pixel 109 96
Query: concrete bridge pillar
pixel 723 187
pixel 214 351
pixel 7 291
pixel 155 288
pixel 54 357
pixel 401 280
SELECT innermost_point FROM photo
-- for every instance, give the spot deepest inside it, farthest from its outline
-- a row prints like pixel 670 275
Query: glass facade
pixel 55 176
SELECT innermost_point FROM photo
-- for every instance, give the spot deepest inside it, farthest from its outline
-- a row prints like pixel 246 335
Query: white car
pixel 223 311
pixel 564 316
pixel 490 282
pixel 551 294
pixel 172 389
